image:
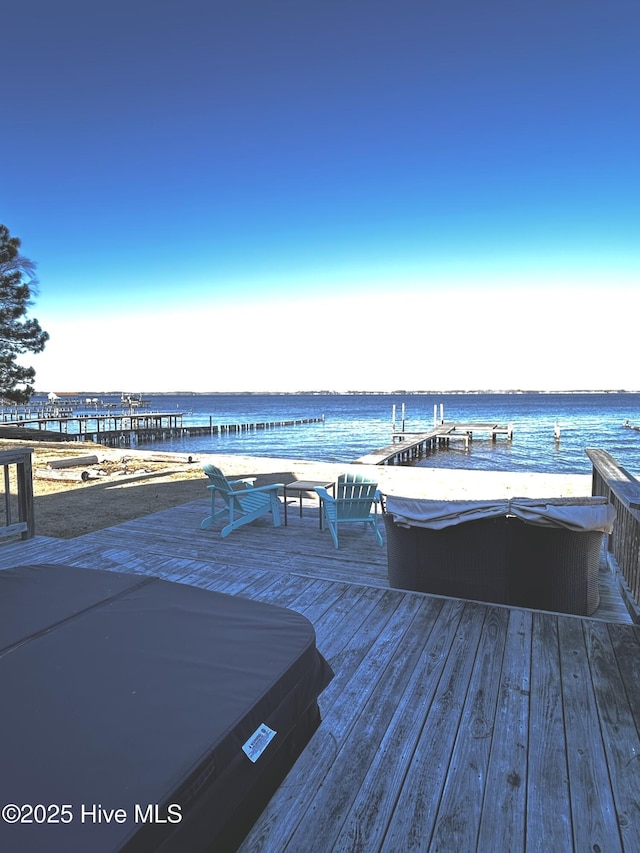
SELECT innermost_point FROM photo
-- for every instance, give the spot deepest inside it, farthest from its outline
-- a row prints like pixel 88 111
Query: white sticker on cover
pixel 258 742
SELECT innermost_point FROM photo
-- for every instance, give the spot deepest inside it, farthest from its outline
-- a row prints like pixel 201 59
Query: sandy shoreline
pixel 127 484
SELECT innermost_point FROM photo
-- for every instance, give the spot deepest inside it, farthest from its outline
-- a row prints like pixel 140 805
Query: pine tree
pixel 18 333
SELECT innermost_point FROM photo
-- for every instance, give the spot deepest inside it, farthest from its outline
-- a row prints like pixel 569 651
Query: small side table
pixel 301 486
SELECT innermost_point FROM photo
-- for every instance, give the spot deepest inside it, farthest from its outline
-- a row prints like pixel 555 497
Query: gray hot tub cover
pixel 578 514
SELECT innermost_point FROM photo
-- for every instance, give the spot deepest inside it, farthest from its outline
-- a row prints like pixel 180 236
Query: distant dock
pixel 128 430
pixel 407 446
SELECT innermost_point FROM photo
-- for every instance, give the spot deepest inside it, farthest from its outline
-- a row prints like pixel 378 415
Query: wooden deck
pixel 449 725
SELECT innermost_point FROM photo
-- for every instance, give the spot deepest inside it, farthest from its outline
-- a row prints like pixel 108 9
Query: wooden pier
pixel 407 446
pixel 129 430
pixel 90 424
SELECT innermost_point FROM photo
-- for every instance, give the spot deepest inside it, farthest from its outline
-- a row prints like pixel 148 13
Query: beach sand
pixel 127 484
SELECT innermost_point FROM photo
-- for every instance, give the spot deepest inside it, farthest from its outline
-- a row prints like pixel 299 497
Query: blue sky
pixel 219 194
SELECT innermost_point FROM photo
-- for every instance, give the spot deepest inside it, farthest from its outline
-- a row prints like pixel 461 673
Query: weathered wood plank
pixel 619 733
pixel 619 480
pixel 426 777
pixel 504 805
pixel 626 646
pixel 70 476
pixel 460 810
pixel 359 669
pixel 350 653
pixel 397 651
pixel 594 820
pixel 73 461
pixel 11 530
pixel 547 829
pixel 366 824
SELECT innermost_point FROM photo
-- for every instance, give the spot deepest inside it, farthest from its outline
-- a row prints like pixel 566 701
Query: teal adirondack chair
pixel 242 504
pixel 355 495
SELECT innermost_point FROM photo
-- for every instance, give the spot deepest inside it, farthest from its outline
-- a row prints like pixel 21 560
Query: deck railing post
pixel 25 525
pixel 621 489
pixel 24 475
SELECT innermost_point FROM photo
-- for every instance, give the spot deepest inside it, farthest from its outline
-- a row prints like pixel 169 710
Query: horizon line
pixel 330 392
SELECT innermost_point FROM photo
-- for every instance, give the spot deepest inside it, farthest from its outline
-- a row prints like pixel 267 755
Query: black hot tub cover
pixel 129 696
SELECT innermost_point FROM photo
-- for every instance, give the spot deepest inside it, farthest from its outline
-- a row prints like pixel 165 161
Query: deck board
pixel 424 785
pixel 590 799
pixel 619 734
pixel 378 787
pixel 459 814
pixel 547 761
pixel 504 817
pixel 449 725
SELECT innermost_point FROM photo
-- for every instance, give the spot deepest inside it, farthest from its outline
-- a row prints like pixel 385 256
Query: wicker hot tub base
pixel 500 559
pixel 467 561
pixel 553 569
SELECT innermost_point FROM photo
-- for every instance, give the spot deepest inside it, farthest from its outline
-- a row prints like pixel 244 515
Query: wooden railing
pixel 623 491
pixel 18 519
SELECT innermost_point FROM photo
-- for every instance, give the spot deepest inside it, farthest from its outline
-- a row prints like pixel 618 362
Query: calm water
pixel 357 424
